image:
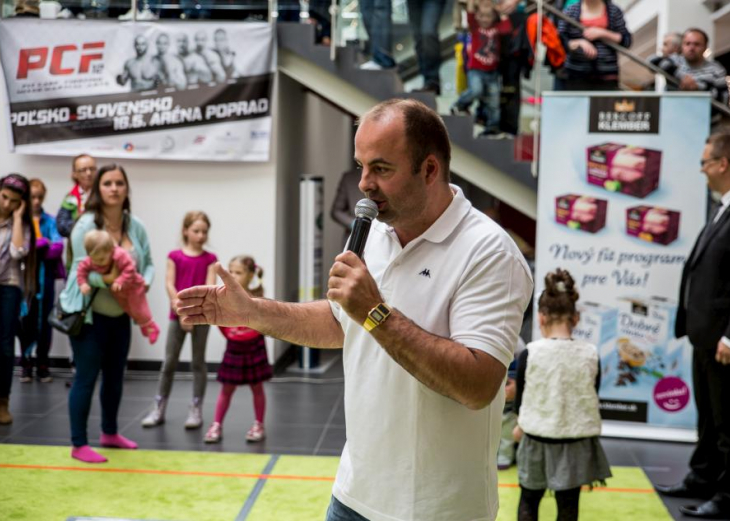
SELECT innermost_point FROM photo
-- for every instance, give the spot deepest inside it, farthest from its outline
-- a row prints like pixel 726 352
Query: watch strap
pixel 377 316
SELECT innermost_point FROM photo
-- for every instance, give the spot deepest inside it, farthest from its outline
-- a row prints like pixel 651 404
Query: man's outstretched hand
pixel 226 305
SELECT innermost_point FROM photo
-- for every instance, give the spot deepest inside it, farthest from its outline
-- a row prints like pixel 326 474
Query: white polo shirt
pixel 412 454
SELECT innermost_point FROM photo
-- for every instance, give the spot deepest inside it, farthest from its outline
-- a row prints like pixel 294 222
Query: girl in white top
pixel 557 402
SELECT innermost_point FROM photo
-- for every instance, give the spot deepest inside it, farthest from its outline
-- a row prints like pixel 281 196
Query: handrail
pixel 625 52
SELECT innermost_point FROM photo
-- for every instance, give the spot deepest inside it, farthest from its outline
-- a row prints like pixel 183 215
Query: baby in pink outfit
pixel 128 288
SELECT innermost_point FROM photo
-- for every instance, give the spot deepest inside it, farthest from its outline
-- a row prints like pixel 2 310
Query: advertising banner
pixel 190 91
pixel 621 200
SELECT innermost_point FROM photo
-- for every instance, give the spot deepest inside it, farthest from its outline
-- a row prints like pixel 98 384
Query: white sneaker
pixel 157 415
pixel 371 66
pixel 127 16
pixel 65 14
pixel 195 417
pixel 146 14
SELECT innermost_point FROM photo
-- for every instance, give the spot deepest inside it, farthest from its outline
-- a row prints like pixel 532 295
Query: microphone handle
pixel 359 235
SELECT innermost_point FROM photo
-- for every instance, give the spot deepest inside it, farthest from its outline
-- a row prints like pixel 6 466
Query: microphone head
pixel 366 209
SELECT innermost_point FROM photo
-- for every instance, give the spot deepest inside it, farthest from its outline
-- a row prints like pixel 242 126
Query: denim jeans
pixel 376 15
pixel 339 512
pixel 10 298
pixel 288 11
pixel 35 329
pixel 424 17
pixel 485 87
pixel 100 347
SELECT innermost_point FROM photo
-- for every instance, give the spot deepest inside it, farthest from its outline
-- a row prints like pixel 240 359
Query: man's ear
pixel 433 169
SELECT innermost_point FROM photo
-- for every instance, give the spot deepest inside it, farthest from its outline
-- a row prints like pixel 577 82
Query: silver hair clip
pixel 560 286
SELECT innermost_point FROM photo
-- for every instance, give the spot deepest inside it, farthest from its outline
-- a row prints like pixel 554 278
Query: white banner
pixel 621 201
pixel 191 91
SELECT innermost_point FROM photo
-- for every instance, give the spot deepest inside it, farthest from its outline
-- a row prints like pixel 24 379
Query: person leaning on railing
pixel 694 71
pixel 591 63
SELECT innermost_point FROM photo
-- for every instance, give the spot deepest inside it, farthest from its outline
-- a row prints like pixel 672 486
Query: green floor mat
pixel 628 495
pixel 188 488
pixel 44 483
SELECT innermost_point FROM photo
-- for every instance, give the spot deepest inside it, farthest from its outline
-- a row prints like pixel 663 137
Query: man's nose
pixel 366 183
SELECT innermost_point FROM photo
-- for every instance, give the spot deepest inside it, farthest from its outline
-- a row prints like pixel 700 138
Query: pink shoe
pixel 87 455
pixel 151 330
pixel 256 432
pixel 116 441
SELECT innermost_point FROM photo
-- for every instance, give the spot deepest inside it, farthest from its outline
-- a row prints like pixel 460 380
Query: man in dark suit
pixel 704 316
pixel 343 206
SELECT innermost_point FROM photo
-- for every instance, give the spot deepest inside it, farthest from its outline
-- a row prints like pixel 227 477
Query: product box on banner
pixel 622 168
pixel 598 324
pixel 652 224
pixel 645 360
pixel 580 212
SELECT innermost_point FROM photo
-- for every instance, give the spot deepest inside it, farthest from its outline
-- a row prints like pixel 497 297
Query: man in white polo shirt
pixel 428 321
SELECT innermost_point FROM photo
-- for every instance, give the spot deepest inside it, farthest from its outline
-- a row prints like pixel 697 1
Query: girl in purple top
pixel 187 267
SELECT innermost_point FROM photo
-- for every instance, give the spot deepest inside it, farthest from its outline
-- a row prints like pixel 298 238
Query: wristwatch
pixel 377 316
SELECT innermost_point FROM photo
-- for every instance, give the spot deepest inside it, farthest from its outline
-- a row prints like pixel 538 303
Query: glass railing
pixel 235 10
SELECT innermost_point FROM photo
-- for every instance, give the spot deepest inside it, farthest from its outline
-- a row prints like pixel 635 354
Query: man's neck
pixel 723 191
pixel 696 63
pixel 431 215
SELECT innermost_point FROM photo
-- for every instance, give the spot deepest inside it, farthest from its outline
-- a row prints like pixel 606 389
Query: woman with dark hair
pixel 591 64
pixel 17 274
pixel 103 344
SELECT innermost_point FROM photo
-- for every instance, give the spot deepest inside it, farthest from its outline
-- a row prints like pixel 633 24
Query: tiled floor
pixel 302 418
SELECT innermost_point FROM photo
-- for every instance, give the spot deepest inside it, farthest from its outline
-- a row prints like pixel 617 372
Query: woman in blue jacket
pixel 103 344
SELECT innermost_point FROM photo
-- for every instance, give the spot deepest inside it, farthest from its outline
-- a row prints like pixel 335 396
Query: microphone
pixel 365 211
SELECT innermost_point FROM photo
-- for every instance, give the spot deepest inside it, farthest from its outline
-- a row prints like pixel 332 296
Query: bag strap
pixel 91 301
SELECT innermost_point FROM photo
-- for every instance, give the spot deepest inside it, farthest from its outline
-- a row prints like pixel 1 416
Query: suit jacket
pixel 704 314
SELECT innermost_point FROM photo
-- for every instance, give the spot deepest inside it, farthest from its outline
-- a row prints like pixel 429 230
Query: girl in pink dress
pixel 245 361
pixel 128 288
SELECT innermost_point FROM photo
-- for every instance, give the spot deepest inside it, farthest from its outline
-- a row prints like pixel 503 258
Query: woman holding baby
pixel 103 343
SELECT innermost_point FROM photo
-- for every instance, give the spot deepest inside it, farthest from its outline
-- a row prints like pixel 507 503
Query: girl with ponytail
pixel 557 405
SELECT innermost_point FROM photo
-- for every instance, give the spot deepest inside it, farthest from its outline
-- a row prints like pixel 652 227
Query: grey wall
pixel 314 138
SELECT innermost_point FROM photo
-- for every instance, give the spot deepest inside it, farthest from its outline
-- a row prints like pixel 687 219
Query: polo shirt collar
pixel 447 221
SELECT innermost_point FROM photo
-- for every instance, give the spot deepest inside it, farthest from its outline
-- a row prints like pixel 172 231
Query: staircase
pixel 488 164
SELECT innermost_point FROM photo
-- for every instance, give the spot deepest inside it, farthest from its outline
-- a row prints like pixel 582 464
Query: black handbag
pixel 70 323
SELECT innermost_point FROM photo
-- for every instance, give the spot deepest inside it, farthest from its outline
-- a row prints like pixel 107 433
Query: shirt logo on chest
pixel 426 273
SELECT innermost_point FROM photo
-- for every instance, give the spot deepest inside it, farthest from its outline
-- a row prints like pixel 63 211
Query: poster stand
pixel 620 204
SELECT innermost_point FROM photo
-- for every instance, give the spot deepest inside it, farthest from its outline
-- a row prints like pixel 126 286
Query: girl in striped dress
pixel 245 361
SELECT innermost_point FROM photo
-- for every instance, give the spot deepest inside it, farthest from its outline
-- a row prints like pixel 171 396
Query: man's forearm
pixel 467 376
pixel 310 324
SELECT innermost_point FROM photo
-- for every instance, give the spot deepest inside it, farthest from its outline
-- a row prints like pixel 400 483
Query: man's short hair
pixel 698 31
pixel 425 131
pixel 720 145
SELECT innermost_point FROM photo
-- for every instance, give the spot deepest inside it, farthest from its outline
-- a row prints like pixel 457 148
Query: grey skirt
pixel 561 466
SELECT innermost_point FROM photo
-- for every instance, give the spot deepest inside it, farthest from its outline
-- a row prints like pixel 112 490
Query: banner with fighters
pixel 184 91
pixel 621 201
